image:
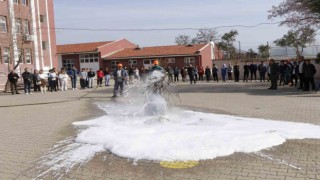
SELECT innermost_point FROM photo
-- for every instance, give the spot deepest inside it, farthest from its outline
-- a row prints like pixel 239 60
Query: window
pixel 18 26
pixel 16 1
pixel 6 55
pixel 44 45
pixel 26 27
pixel 89 58
pixel 170 60
pixel 147 61
pixel 42 18
pixel 67 63
pixel 23 2
pixel 3 24
pixel 28 56
pixel 114 64
pixel 189 60
pixel 132 62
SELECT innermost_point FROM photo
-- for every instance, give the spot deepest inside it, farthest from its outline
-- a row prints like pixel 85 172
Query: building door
pixel 67 63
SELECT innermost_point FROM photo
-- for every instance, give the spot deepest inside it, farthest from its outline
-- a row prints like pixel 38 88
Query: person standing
pixel 43 80
pixel 13 79
pixel 91 75
pixel 176 74
pixel 169 71
pixel 215 71
pixel 120 75
pixel 208 73
pixel 273 74
pixel 100 76
pixel 27 80
pixel 246 69
pixel 83 76
pixel 156 67
pixel 301 77
pixel 201 72
pixel 53 77
pixel 196 73
pixel 262 72
pixel 36 81
pixel 224 70
pixel 136 73
pixel 73 73
pixel 107 76
pixel 308 73
pixel 294 74
pixel 191 73
pixel 253 71
pixel 63 78
pixel 230 71
pixel 236 71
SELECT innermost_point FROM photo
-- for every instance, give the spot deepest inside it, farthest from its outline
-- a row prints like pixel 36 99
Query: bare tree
pixel 183 39
pixel 297 39
pixel 205 36
pixel 297 13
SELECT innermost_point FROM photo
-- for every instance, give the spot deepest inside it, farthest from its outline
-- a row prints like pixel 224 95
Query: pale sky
pixel 146 14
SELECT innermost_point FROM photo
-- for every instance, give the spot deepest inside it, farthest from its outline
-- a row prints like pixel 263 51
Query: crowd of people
pixel 58 80
pixel 298 73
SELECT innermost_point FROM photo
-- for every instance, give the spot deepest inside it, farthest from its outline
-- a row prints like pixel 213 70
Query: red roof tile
pixel 174 50
pixel 83 47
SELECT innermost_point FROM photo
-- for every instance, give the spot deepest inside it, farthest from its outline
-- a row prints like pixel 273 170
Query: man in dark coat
pixel 274 68
pixel 308 72
pixel 253 71
pixel 192 73
pixel 207 72
pixel 215 73
pixel 27 80
pixel 13 79
pixel 246 69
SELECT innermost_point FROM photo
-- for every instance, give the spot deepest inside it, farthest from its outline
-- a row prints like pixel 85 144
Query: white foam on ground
pixel 185 135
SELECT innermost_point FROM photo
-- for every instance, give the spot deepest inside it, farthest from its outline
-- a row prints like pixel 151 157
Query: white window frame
pixel 114 64
pixel 89 58
pixel 170 60
pixel 189 60
pixel 28 56
pixel 5 55
pixel 18 26
pixel 132 62
pixel 26 29
pixel 3 24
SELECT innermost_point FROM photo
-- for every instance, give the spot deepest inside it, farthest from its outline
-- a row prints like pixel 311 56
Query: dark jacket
pixel 13 78
pixel 253 68
pixel 27 77
pixel 73 73
pixel 91 74
pixel 215 70
pixel 262 68
pixel 236 68
pixel 246 68
pixel 208 72
pixel 274 69
pixel 191 71
pixel 309 70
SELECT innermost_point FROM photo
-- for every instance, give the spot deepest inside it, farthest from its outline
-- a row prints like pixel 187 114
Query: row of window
pixel 24 55
pixel 89 58
pixel 22 2
pixel 21 26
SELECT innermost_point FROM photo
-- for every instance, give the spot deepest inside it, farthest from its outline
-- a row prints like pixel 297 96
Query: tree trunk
pixel 7 87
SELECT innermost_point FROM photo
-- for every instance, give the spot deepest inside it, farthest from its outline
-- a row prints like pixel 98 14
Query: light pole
pixel 239 49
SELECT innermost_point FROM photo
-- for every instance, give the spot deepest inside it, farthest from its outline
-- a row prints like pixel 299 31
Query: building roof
pixel 174 50
pixel 82 47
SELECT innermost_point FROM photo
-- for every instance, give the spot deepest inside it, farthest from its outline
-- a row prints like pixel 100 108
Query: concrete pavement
pixel 29 131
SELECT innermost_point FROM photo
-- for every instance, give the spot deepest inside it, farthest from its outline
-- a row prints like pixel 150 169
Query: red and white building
pixel 89 55
pixel 200 55
pixel 27 34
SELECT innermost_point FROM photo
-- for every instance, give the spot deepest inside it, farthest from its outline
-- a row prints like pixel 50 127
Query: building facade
pixel 200 55
pixel 27 35
pixel 89 55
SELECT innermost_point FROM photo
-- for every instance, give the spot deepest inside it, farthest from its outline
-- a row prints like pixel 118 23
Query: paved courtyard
pixel 32 126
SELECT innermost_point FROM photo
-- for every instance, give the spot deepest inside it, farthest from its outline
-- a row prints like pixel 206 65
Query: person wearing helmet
pixel 156 66
pixel 120 75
